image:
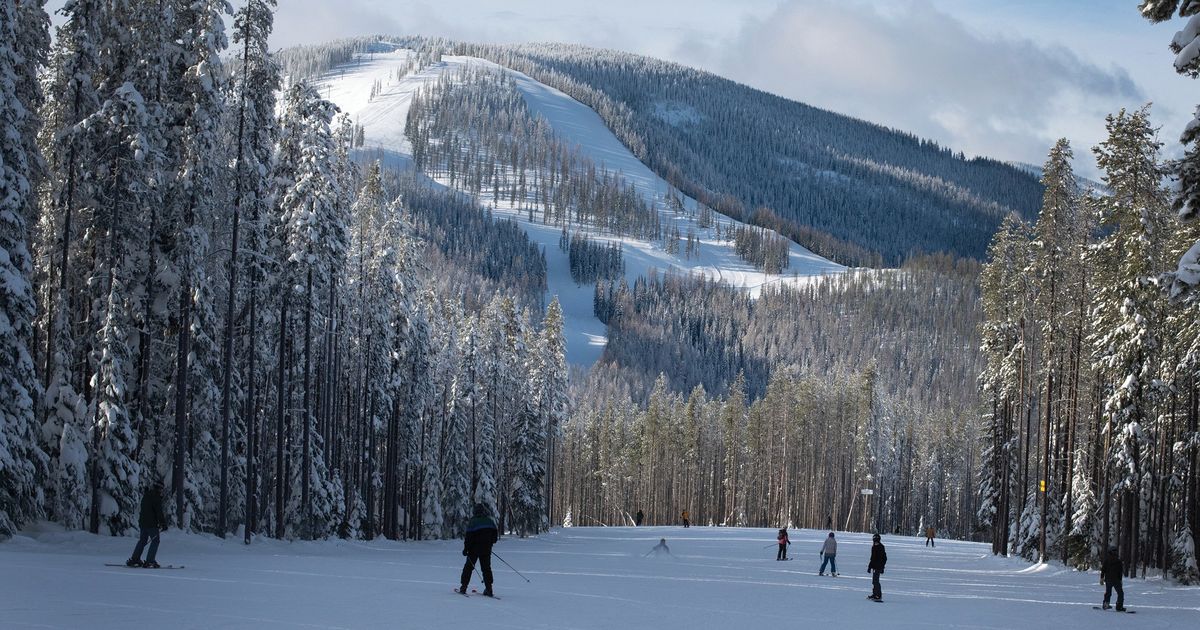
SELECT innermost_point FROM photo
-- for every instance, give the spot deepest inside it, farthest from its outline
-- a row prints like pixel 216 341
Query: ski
pixel 165 566
pixel 1115 610
pixel 482 595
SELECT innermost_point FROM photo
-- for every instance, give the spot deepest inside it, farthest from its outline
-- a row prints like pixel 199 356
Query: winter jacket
pixel 830 547
pixel 481 535
pixel 783 539
pixel 878 558
pixel 929 532
pixel 1113 570
pixel 152 514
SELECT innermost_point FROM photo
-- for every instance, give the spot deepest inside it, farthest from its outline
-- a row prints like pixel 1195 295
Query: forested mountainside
pixel 849 190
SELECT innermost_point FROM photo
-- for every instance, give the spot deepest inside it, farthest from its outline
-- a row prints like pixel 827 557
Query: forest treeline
pixel 780 409
pixel 1090 391
pixel 202 289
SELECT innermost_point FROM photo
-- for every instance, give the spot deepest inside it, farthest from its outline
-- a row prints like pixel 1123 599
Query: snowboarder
pixel 1112 573
pixel 875 567
pixel 661 547
pixel 829 556
pixel 686 523
pixel 151 520
pixel 929 532
pixel 783 541
pixel 637 519
pixel 477 545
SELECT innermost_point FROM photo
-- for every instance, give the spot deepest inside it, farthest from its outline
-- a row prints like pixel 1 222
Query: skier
pixel 661 547
pixel 477 545
pixel 875 567
pixel 637 518
pixel 783 541
pixel 829 556
pixel 686 523
pixel 929 532
pixel 1112 573
pixel 151 520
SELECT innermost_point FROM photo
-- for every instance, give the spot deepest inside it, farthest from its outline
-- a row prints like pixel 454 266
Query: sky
pixel 1001 79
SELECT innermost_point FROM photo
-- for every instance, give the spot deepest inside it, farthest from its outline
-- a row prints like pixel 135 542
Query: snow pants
pixel 1109 587
pixel 149 534
pixel 782 555
pixel 485 565
pixel 876 589
pixel 831 560
pixel 929 542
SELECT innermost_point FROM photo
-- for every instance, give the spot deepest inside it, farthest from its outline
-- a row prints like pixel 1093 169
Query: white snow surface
pixel 580 578
pixel 384 120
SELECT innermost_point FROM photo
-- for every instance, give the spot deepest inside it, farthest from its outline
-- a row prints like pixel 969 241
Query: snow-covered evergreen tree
pixel 23 464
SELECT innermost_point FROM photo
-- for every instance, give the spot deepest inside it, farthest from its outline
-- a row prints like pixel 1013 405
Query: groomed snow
pixel 581 578
pixel 384 119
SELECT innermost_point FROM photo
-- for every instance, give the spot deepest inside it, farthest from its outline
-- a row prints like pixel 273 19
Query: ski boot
pixel 150 564
pixel 1105 606
pixel 487 592
pixel 133 562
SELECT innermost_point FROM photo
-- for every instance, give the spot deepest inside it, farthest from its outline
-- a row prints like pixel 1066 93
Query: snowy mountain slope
pixel 384 117
pixel 580 578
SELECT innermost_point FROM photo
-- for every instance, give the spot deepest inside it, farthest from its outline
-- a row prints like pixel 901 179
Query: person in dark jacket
pixel 638 518
pixel 783 541
pixel 151 520
pixel 481 534
pixel 878 560
pixel 1112 574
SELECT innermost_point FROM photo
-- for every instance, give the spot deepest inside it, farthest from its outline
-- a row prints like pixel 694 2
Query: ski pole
pixel 510 566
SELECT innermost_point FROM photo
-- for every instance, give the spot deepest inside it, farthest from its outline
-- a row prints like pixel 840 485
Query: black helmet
pixel 831 535
pixel 874 538
pixel 480 510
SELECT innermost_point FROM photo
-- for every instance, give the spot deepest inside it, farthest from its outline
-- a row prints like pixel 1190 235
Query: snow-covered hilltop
pixel 377 90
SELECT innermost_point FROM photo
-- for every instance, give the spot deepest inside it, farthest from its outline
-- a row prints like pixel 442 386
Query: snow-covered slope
pixel 384 117
pixel 580 578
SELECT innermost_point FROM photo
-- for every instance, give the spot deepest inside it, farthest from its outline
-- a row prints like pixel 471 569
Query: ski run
pixel 580 578
pixel 369 91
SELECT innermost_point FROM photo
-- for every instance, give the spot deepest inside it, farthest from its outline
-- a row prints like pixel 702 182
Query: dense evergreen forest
pixel 849 190
pixel 202 289
pixel 780 409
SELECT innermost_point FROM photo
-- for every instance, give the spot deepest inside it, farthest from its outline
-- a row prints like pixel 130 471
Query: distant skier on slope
pixel 929 532
pixel 661 547
pixel 829 556
pixel 638 518
pixel 878 560
pixel 686 519
pixel 783 541
pixel 151 520
pixel 1112 574
pixel 477 545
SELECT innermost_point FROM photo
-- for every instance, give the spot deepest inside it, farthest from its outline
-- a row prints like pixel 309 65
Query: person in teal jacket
pixel 481 534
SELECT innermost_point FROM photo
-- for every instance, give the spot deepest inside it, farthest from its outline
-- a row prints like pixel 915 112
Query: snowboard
pixel 165 566
pixel 1115 610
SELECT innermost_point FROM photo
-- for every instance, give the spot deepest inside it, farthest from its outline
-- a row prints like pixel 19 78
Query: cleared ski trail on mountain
pixel 582 578
pixel 384 117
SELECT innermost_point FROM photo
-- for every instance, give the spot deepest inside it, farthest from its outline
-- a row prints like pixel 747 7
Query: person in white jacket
pixel 829 553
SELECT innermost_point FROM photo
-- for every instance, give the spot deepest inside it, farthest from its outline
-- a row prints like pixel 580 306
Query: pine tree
pixel 23 464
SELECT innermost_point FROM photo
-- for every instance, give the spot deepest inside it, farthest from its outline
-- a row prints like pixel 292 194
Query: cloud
pixel 916 68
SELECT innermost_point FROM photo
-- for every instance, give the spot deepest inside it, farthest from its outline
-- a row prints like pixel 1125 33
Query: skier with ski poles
pixel 481 534
pixel 829 556
pixel 783 541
